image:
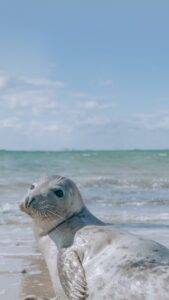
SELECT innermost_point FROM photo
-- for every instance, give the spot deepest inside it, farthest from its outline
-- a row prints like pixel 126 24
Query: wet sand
pixel 36 281
pixel 22 268
pixel 33 279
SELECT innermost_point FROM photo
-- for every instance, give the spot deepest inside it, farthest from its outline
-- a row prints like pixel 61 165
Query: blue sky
pixel 84 74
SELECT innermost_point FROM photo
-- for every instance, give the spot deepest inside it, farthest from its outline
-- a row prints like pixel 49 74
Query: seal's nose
pixel 28 201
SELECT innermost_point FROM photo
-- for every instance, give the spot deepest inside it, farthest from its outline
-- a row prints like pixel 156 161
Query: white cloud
pixel 52 126
pixel 79 95
pixel 38 114
pixel 95 104
pixel 153 121
pixel 4 79
pixel 33 101
pixel 44 82
pixel 89 104
pixel 96 121
pixel 12 122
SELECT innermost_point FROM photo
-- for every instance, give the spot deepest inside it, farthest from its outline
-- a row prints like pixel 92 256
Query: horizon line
pixel 82 150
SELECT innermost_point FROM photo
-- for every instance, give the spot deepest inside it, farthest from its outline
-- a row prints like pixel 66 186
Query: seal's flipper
pixel 71 274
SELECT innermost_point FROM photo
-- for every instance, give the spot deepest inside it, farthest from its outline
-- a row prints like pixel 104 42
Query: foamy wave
pixel 102 181
pixel 7 207
pixel 130 218
pixel 125 202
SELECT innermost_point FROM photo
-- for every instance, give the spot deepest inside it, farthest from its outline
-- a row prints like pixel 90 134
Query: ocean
pixel 130 189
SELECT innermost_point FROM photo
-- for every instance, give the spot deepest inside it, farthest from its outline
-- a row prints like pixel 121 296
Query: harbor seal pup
pixel 88 259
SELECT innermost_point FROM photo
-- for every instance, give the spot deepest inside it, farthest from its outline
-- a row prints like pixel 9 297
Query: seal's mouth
pixel 23 207
pixel 26 205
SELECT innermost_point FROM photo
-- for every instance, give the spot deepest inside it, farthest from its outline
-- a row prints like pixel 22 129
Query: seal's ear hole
pixel 58 193
pixel 32 186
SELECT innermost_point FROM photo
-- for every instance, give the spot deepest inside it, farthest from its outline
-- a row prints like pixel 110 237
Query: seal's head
pixel 52 201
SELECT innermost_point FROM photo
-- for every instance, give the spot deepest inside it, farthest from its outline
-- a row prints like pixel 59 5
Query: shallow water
pixel 128 188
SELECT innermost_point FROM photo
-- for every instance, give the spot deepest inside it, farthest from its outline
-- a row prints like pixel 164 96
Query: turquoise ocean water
pixel 120 181
pixel 127 188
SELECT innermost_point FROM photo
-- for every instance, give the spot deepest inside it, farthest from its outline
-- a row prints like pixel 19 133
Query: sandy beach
pixel 23 271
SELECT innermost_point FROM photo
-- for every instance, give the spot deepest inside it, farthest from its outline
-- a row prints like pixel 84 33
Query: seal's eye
pixel 58 193
pixel 32 187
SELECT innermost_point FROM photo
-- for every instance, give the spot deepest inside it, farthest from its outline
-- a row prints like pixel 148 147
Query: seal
pixel 88 259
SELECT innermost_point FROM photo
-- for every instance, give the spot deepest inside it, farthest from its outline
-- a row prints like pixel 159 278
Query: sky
pixel 84 74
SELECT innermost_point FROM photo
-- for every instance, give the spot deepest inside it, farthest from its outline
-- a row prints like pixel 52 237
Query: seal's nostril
pixel 28 201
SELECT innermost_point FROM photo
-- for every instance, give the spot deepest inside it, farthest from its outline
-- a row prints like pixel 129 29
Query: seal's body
pixel 88 259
